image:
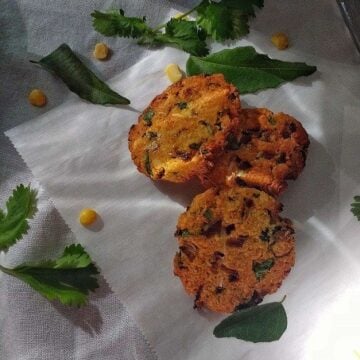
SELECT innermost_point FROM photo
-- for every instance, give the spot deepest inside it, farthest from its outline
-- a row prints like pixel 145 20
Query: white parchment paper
pixel 79 153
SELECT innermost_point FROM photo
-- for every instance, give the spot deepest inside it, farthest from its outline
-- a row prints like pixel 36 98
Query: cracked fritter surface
pixel 184 128
pixel 233 247
pixel 265 151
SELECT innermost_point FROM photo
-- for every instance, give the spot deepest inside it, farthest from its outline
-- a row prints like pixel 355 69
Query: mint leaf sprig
pixel 68 279
pixel 219 20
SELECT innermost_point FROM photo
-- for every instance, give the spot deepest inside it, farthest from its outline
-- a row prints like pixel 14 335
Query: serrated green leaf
pixel 78 78
pixel 21 207
pixel 262 323
pixel 68 279
pixel 246 6
pixel 182 34
pixel 73 256
pixel 248 70
pixel 355 207
pixel 115 23
pixel 222 20
pixel 179 33
pixel 209 14
pixel 227 19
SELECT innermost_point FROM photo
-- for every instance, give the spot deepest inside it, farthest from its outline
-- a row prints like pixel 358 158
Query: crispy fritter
pixel 234 248
pixel 265 151
pixel 184 128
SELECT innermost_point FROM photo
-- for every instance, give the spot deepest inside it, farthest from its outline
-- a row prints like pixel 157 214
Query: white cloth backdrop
pixel 31 327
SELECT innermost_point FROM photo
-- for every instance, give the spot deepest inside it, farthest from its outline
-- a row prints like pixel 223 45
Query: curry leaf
pixel 248 70
pixel 78 78
pixel 262 323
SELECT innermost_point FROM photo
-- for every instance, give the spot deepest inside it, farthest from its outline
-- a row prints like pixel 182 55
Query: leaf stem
pixel 178 18
pixel 6 270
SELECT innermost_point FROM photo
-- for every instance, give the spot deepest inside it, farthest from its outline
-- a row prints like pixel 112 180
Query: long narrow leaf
pixel 262 323
pixel 78 78
pixel 248 70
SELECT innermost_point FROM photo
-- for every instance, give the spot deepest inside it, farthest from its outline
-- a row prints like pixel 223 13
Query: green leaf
pixel 182 232
pixel 261 269
pixel 21 207
pixel 262 323
pixel 264 235
pixel 148 117
pixel 208 215
pixel 114 22
pixel 182 34
pixel 246 6
pixel 182 105
pixel 147 162
pixel 355 207
pixel 272 120
pixel 248 70
pixel 78 78
pixel 222 20
pixel 227 19
pixel 67 279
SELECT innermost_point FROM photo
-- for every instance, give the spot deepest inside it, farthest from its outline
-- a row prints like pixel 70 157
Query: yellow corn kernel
pixel 87 216
pixel 37 98
pixel 280 40
pixel 173 72
pixel 101 51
